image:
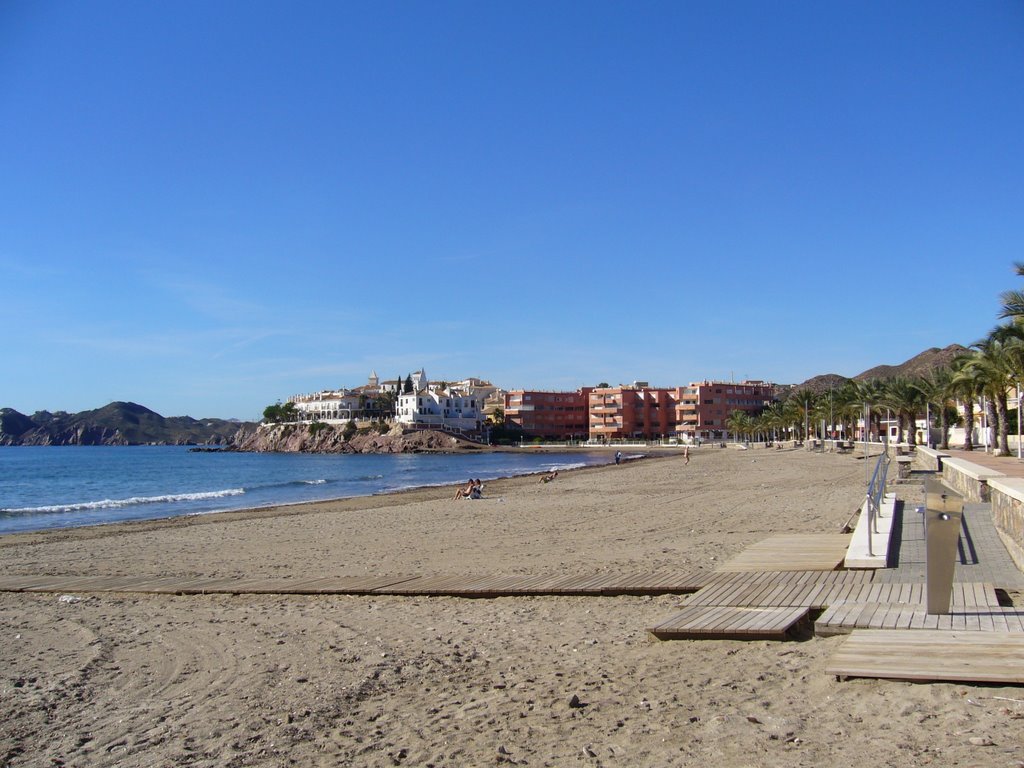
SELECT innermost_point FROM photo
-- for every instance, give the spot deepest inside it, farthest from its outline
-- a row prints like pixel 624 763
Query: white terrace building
pixel 333 406
pixel 330 406
pixel 425 406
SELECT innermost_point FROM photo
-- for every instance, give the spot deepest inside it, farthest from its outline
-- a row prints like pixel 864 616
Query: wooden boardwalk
pixel 975 607
pixel 986 657
pixel 797 552
pixel 774 589
pixel 730 622
pixel 596 584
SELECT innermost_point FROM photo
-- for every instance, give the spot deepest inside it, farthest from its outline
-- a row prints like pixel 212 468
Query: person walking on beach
pixel 686 455
pixel 618 457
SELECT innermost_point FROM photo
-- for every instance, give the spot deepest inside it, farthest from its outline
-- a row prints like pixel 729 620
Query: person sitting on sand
pixel 477 491
pixel 464 493
pixel 549 478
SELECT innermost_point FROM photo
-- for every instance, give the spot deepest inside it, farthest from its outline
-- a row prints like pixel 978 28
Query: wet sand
pixel 379 681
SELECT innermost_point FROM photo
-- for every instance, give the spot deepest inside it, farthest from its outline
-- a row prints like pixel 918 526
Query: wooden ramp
pixel 797 552
pixel 974 606
pixel 846 617
pixel 730 623
pixel 599 584
pixel 778 589
pixel 928 655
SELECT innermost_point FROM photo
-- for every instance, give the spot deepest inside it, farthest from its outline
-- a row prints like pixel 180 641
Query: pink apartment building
pixel 703 409
pixel 638 411
pixel 555 415
pixel 700 410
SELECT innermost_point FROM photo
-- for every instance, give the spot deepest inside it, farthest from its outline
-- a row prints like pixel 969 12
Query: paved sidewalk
pixel 981 556
pixel 1010 466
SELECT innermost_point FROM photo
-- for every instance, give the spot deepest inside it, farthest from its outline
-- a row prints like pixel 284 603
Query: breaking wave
pixel 85 506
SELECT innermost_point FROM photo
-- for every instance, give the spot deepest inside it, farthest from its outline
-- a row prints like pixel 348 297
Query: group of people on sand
pixel 474 490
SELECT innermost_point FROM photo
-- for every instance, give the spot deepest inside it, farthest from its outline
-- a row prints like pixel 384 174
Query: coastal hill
pixel 919 365
pixel 114 424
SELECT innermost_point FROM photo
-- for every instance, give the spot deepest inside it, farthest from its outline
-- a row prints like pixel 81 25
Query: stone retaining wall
pixel 929 459
pixel 967 479
pixel 1008 514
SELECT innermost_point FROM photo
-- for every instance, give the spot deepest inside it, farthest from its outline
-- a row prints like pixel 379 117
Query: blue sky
pixel 208 206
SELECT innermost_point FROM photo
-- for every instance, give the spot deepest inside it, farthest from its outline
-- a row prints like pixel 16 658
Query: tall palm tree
pixel 1011 337
pixel 847 407
pixel 796 411
pixel 870 395
pixel 968 387
pixel 740 424
pixel 1013 301
pixel 990 364
pixel 938 391
pixel 773 420
pixel 907 401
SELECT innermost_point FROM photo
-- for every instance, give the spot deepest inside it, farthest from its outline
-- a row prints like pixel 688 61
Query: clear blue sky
pixel 207 206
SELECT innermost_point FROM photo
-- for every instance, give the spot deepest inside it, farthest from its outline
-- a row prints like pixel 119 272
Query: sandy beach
pixel 277 680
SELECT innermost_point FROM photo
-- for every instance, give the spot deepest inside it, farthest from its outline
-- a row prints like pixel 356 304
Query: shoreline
pixel 341 504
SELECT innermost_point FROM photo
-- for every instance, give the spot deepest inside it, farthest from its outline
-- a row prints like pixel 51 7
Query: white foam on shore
pixel 130 502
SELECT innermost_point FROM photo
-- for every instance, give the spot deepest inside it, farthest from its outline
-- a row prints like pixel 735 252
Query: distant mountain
pixel 919 365
pixel 114 424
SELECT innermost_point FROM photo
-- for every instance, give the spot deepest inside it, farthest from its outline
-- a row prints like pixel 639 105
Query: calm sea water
pixel 62 487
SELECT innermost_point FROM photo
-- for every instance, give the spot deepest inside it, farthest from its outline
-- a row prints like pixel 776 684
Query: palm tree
pixel 847 407
pixel 740 423
pixel 966 387
pixel 797 410
pixel 1011 337
pixel 938 391
pixel 1013 301
pixel 773 421
pixel 990 365
pixel 870 395
pixel 906 400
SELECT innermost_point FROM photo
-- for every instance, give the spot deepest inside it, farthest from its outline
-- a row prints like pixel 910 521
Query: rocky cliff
pixel 300 438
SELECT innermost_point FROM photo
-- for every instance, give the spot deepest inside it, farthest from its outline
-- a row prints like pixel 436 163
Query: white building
pixel 329 406
pixel 427 406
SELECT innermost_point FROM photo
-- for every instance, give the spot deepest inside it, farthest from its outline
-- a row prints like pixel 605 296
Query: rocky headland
pixel 323 438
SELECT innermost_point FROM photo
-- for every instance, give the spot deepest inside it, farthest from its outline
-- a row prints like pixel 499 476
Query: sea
pixel 46 487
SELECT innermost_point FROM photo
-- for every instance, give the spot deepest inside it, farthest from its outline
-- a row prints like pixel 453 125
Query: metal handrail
pixel 875 493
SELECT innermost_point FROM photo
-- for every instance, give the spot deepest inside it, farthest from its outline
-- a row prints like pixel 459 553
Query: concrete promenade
pixel 1010 466
pixel 981 554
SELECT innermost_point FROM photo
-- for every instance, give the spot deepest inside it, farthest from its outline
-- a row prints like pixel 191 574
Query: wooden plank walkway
pixel 846 617
pixel 987 657
pixel 771 589
pixel 730 623
pixel 902 606
pixel 596 584
pixel 796 552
